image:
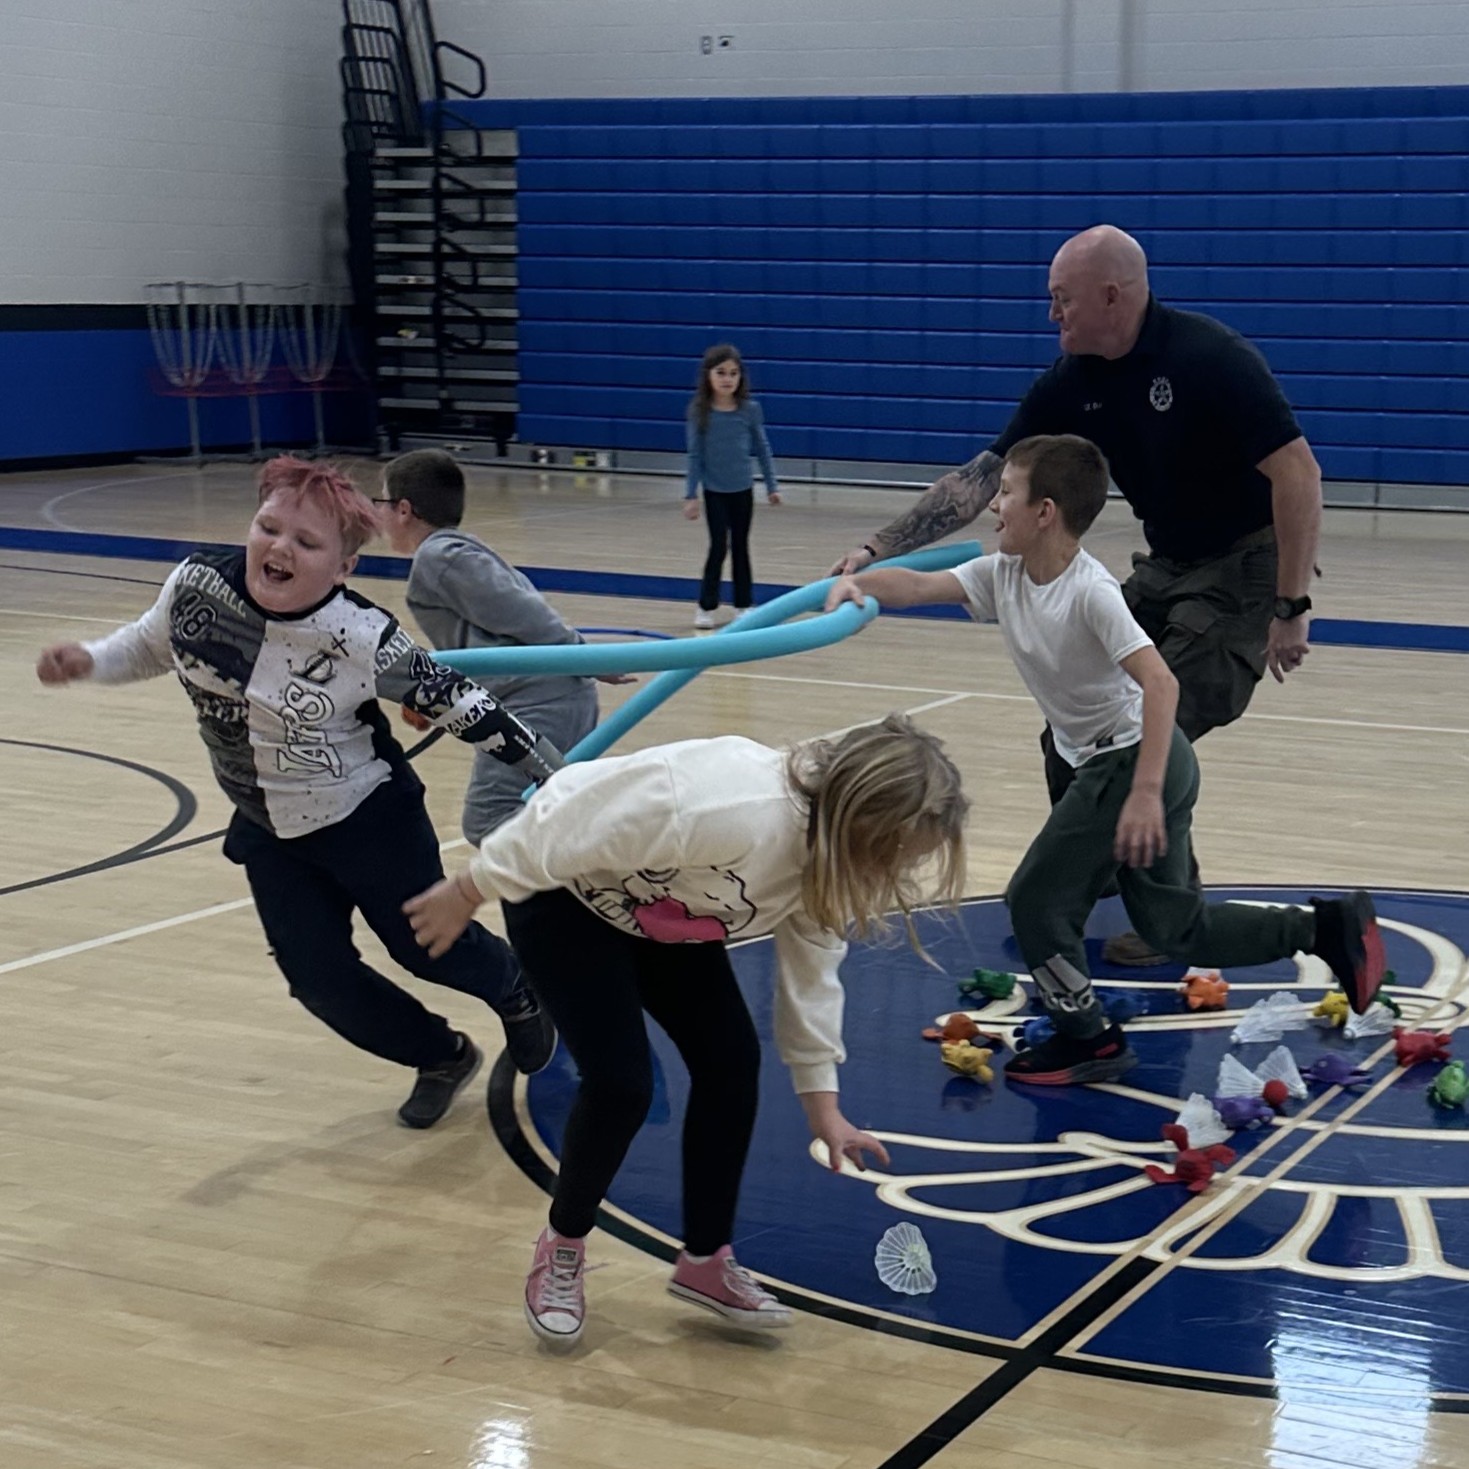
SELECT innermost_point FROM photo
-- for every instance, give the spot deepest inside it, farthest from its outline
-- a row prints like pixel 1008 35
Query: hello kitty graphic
pixel 646 905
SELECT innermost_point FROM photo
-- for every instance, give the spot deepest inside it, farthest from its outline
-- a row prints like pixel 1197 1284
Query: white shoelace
pixel 559 1287
pixel 741 1281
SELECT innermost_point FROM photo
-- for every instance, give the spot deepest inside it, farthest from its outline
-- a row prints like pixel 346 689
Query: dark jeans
pixel 596 981
pixel 729 518
pixel 306 889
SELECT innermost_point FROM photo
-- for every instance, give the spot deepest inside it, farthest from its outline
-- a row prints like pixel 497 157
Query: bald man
pixel 1204 447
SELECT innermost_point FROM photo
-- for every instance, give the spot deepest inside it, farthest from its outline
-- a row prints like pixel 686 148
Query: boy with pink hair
pixel 285 665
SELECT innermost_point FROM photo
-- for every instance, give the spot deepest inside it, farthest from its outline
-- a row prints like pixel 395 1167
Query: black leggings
pixel 729 518
pixel 596 981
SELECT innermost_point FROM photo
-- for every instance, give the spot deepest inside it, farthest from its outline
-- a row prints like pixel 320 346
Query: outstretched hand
pixel 843 1142
pixel 63 662
pixel 847 1144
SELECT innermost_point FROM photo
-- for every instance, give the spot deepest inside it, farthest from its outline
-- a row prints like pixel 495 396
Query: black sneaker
pixel 530 1037
pixel 1348 938
pixel 437 1086
pixel 1066 1061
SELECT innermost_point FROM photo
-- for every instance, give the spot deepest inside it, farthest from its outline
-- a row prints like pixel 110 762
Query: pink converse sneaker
pixel 725 1287
pixel 554 1302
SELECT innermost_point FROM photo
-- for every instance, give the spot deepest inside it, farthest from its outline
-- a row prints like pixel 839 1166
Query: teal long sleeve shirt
pixel 720 454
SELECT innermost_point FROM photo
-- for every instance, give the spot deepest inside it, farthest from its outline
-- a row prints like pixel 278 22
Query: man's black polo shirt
pixel 1183 419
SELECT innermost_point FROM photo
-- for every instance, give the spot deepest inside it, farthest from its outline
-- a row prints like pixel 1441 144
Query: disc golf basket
pixel 245 341
pixel 310 323
pixel 183 323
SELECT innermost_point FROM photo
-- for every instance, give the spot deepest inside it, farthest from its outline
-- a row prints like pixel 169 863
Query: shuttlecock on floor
pixel 1200 1119
pixel 1379 1020
pixel 1269 1019
pixel 903 1261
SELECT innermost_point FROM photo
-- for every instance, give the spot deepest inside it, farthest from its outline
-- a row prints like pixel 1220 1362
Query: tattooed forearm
pixel 944 507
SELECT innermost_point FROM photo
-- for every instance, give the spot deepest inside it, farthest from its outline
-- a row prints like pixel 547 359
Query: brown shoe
pixel 1128 951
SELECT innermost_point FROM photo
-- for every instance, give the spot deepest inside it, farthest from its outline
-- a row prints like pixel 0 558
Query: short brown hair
pixel 432 483
pixel 1067 469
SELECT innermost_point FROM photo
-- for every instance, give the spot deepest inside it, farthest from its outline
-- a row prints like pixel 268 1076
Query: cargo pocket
pixel 1216 672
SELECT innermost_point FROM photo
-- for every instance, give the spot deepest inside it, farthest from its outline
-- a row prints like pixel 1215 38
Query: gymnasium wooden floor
pixel 216 1249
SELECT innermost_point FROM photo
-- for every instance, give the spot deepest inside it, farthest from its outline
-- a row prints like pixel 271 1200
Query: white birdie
pixel 1269 1019
pixel 1379 1020
pixel 1200 1119
pixel 1280 1065
pixel 903 1261
pixel 1237 1080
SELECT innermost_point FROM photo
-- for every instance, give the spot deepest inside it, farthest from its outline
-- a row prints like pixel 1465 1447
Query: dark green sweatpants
pixel 1071 863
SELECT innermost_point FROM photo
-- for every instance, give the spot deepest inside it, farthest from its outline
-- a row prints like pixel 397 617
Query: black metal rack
pixel 431 228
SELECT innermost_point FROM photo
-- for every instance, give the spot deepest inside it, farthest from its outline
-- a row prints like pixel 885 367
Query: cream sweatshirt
pixel 700 840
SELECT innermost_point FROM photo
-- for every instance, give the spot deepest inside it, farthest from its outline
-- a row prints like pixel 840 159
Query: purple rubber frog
pixel 1239 1113
pixel 1334 1070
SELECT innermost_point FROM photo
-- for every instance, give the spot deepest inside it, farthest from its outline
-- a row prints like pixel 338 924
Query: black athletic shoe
pixel 1348 938
pixel 1065 1061
pixel 437 1086
pixel 530 1037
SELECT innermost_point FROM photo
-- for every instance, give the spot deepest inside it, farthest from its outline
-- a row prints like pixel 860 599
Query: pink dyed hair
pixel 355 515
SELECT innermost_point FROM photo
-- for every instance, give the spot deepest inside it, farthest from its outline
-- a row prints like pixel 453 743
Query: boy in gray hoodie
pixel 464 595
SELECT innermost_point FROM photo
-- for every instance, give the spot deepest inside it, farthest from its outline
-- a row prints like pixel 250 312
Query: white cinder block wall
pixel 198 139
pixel 620 48
pixel 167 139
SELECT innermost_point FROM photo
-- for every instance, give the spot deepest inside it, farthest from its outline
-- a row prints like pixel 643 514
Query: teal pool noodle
pixel 791 604
pixel 695 654
pixel 753 636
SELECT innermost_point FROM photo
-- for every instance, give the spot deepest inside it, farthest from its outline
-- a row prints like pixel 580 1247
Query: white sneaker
pixel 703 619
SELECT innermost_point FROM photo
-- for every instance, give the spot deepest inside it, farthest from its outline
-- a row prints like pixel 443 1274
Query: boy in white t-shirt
pixel 1110 700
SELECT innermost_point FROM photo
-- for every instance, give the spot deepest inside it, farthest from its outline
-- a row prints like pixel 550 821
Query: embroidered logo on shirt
pixel 1160 395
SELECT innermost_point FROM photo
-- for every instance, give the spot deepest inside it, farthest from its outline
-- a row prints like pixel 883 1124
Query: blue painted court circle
pixel 1338 1246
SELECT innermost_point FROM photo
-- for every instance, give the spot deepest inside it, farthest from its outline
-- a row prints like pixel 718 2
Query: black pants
pixel 729 519
pixel 596 981
pixel 306 889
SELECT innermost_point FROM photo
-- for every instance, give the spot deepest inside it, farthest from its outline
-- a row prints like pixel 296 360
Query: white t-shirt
pixel 1067 639
pixel 696 841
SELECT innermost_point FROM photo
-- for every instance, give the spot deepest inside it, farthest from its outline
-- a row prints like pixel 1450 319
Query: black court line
pixel 1017 1364
pixel 152 846
pixel 141 581
pixel 185 809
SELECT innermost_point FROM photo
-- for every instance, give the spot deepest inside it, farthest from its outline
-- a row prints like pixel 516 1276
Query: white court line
pixel 848 683
pixel 126 933
pixel 131 933
pixel 842 683
pixel 57 616
pixel 106 484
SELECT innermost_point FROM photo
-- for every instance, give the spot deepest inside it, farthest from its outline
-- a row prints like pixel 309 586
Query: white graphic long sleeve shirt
pixel 287 704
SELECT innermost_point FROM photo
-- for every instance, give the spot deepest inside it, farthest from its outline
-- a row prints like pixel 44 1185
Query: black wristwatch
pixel 1288 607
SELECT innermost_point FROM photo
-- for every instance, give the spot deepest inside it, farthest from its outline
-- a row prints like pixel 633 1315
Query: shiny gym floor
pixel 216 1249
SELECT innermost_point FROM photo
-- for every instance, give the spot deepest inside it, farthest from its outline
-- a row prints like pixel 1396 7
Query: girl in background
pixel 726 431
